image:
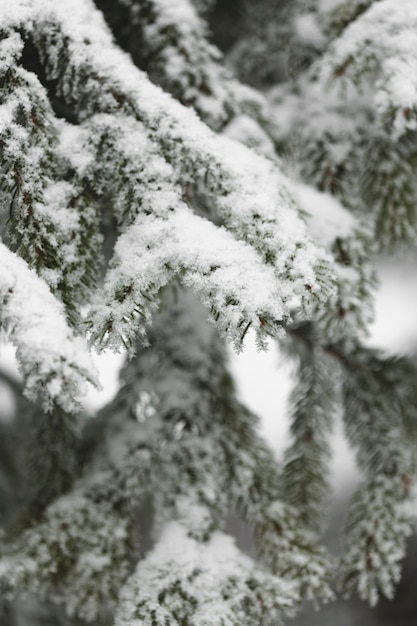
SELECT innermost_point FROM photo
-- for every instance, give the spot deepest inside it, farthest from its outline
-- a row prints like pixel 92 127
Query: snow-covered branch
pixel 54 362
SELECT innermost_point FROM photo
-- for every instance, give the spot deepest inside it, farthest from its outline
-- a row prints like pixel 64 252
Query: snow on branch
pixel 220 459
pixel 51 224
pixel 189 67
pixel 84 544
pixel 56 364
pixel 389 188
pixel 348 315
pixel 381 44
pixel 379 407
pixel 248 192
pixel 379 410
pixel 378 526
pixel 342 149
pixel 227 274
pixel 167 239
pixel 208 583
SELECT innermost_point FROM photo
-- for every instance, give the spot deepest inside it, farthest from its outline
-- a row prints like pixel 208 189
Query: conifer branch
pixel 151 252
pixel 377 530
pixel 80 553
pixel 314 404
pixel 189 67
pixel 55 363
pixel 122 517
pixel 240 592
pixel 376 423
pixel 36 188
pixel 378 44
pixel 227 175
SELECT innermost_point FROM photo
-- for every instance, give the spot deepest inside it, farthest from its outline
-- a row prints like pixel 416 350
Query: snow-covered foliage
pixel 81 550
pixel 169 40
pixel 182 576
pixel 380 44
pixel 144 189
pixel 55 363
pixel 378 529
pixel 248 194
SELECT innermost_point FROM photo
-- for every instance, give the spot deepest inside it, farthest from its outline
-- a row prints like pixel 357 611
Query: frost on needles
pixel 144 190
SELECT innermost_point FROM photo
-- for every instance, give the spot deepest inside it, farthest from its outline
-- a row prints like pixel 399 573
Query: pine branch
pixel 175 584
pixel 314 403
pixel 378 411
pixel 51 225
pixel 153 251
pixel 219 458
pixel 80 552
pixel 389 191
pixel 344 318
pixel 347 317
pixel 377 530
pixel 84 131
pixel 226 174
pixel 55 363
pixel 379 44
pixel 377 424
pixel 193 422
pixel 170 42
pixel 49 461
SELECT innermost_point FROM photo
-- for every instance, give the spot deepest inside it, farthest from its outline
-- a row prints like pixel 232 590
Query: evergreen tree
pixel 152 203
